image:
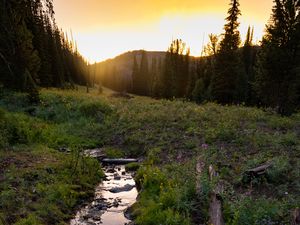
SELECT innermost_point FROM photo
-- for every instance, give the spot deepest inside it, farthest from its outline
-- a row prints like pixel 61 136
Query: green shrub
pixel 29 220
pixel 160 201
pixel 153 156
pixel 94 109
pixel 278 172
pixel 258 212
pixel 114 153
pixel 132 166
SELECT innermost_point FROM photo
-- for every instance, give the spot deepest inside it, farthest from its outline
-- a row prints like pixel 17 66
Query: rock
pixel 127 187
pixel 111 170
pixel 95 153
pixel 115 203
pixel 64 149
pixel 117 176
pixel 128 214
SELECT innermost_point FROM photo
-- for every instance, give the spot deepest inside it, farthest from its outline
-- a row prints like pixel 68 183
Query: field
pixel 44 177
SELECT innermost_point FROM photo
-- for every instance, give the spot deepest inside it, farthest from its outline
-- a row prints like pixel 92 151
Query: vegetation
pixel 229 72
pixel 33 50
pixel 171 135
pixel 44 175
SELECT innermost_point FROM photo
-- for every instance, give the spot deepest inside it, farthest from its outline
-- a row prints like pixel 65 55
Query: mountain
pixel 116 73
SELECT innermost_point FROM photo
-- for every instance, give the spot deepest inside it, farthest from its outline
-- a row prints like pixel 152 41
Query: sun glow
pixel 106 31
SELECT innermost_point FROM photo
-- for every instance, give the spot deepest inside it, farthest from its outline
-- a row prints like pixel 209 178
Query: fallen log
pixel 250 174
pixel 118 161
pixel 260 169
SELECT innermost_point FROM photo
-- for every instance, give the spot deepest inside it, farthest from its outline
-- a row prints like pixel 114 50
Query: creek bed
pixel 112 197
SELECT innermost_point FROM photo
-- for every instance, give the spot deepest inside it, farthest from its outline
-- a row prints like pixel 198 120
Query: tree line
pixel 34 52
pixel 230 72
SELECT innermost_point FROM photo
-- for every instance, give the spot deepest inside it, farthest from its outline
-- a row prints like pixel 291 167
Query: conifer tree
pixel 224 83
pixel 144 76
pixel 135 75
pixel 277 71
pixel 176 71
pixel 153 76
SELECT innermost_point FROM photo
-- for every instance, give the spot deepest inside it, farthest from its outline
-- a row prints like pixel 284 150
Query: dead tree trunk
pixel 199 169
pixel 215 207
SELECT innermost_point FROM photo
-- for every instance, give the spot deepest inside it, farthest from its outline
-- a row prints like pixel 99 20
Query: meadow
pixel 44 176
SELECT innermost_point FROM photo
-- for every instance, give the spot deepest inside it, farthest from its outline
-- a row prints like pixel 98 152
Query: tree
pixel 175 77
pixel 153 76
pixel 249 53
pixel 277 70
pixel 144 78
pixel 135 74
pixel 20 61
pixel 224 83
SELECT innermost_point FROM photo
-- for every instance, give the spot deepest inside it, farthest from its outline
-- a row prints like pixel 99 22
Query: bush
pixel 114 153
pixel 278 172
pixel 160 200
pixel 29 220
pixel 132 166
pixel 94 109
pixel 258 212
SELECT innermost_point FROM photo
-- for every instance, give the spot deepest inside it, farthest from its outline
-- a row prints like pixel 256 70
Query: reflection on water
pixel 112 197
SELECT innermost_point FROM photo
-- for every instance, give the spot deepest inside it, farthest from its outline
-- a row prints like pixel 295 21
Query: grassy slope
pixel 170 135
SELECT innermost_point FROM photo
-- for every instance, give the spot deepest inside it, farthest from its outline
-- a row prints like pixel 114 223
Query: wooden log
pixel 199 169
pixel 260 169
pixel 255 172
pixel 215 207
pixel 118 161
pixel 296 217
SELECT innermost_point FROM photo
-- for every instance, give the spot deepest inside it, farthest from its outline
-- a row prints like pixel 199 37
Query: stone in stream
pixel 117 176
pixel 111 170
pixel 127 187
pixel 95 153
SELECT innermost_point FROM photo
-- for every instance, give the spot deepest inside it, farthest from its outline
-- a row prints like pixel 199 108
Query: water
pixel 112 197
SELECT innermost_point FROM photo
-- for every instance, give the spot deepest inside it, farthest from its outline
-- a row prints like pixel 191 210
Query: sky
pixel 106 28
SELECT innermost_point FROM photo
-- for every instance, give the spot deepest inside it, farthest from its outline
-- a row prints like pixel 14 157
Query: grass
pixel 169 136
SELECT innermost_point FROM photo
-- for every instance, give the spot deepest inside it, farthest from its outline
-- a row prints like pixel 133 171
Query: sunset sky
pixel 106 28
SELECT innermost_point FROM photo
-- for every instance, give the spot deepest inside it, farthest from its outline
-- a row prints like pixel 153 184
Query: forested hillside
pixel 34 52
pixel 229 72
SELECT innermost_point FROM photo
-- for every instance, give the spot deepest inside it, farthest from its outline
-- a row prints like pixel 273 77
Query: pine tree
pixel 135 76
pixel 158 84
pixel 153 76
pixel 20 61
pixel 175 77
pixel 33 51
pixel 277 72
pixel 144 77
pixel 249 53
pixel 224 83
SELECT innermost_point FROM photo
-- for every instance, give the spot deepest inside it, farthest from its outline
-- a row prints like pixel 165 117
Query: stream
pixel 112 197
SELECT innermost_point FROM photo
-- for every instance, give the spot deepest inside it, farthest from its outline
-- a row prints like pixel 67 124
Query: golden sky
pixel 106 28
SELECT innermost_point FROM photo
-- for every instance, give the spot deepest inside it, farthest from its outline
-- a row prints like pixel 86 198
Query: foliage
pixel 114 153
pixel 169 135
pixel 161 202
pixel 277 77
pixel 132 166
